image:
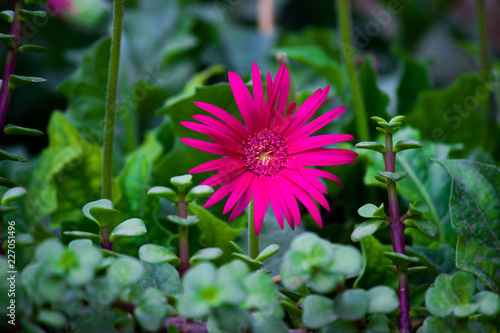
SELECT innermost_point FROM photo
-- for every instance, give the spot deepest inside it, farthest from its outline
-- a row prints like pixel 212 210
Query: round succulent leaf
pixel 406 144
pixel 104 204
pixel 401 259
pixel 84 235
pixel 304 242
pixel 371 145
pixel 268 252
pixel 235 268
pixel 368 228
pixel 464 285
pixel 229 290
pixel 152 310
pixel 440 300
pixel 126 271
pixel 199 191
pixel 426 227
pixel 51 318
pixel 323 281
pixel 181 182
pixel 351 305
pixel 318 311
pixel 202 275
pixel 295 270
pixel 397 119
pixel 488 302
pixel 13 194
pixel 206 254
pixel 433 325
pixel 347 260
pixel 25 239
pixel 49 250
pixel 262 293
pixel 378 323
pixel 192 305
pixel 7 16
pixel 157 254
pixel 164 192
pixel 371 211
pixel 382 299
pixel 465 310
pixel 133 227
pixel 254 264
pixel 394 176
pixel 189 221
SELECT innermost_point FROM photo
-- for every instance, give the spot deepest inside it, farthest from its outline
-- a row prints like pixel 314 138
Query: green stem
pixel 346 27
pixel 253 239
pixel 109 125
pixel 483 41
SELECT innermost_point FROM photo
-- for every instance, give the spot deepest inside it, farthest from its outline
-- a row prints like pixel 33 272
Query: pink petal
pixel 323 156
pixel 222 192
pixel 316 124
pixel 307 110
pixel 289 199
pixel 283 205
pixel 222 176
pixel 219 126
pixel 269 85
pixel 316 142
pixel 226 117
pixel 209 147
pixel 298 180
pixel 218 136
pixel 275 203
pixel 308 202
pixel 211 165
pixel 245 199
pixel 283 93
pixel 243 100
pixel 261 202
pixel 326 174
pixel 258 91
pixel 242 186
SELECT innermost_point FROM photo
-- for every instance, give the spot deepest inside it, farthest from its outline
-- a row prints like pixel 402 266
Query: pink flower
pixel 61 7
pixel 265 157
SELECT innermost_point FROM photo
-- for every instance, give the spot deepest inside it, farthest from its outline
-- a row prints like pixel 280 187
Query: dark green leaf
pixel 7 16
pixel 31 48
pixel 368 228
pixel 7 40
pixel 17 130
pixel 16 81
pixel 25 14
pixel 371 145
pixel 425 226
pixel 5 155
pixel 475 214
pixel 85 235
pixel 406 144
pixel 206 254
pixel 401 259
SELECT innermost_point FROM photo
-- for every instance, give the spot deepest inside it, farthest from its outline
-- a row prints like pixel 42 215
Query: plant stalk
pixel 182 212
pixel 10 66
pixel 483 46
pixel 106 244
pixel 253 239
pixel 109 122
pixel 265 16
pixel 344 12
pixel 397 236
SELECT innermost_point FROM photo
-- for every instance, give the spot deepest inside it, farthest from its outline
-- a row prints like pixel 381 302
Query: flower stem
pixel 397 237
pixel 182 212
pixel 253 239
pixel 483 40
pixel 265 13
pixel 109 124
pixel 10 66
pixel 347 47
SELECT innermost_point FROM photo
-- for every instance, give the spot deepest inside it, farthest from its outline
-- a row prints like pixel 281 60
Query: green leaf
pixel 206 254
pixel 17 130
pixel 237 248
pixel 347 260
pixel 13 194
pixel 200 191
pixel 156 254
pixel 425 226
pixel 318 311
pixel 262 293
pixel 401 259
pixel 382 299
pixel 152 310
pixel 394 176
pixel 7 40
pixel 126 271
pixel 371 211
pixel 368 228
pixel 181 182
pixel 162 276
pixel 133 227
pixel 25 14
pixel 416 209
pixel 371 145
pixel 351 305
pixel 375 264
pixel 475 214
pixel 269 251
pixel 25 239
pixel 164 192
pixel 51 318
pixel 6 156
pixel 16 81
pixel 49 250
pixel 489 303
pixel 8 183
pixel 84 234
pixel 100 211
pixel 406 144
pixel 254 264
pixel 189 221
pixel 31 48
pixel 7 16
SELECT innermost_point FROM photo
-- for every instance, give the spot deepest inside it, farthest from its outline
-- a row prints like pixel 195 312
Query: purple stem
pixel 397 237
pixel 10 66
pixel 182 212
pixel 106 244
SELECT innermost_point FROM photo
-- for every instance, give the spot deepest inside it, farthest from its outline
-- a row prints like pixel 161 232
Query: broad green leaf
pixel 375 264
pixel 126 271
pixel 17 130
pixel 157 254
pixel 162 276
pixel 425 226
pixel 352 304
pixel 318 311
pixel 152 310
pixel 133 227
pixel 489 302
pixel 206 254
pixel 475 214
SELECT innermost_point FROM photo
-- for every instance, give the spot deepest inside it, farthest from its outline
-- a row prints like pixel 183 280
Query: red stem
pixel 182 212
pixel 10 66
pixel 397 236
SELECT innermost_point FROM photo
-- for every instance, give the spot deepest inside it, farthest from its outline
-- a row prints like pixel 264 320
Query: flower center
pixel 264 153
